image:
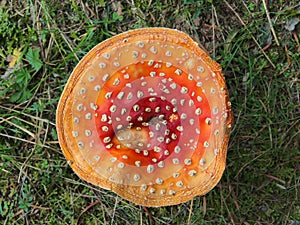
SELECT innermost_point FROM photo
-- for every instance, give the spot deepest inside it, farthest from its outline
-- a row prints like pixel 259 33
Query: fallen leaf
pixel 13 59
pixel 291 24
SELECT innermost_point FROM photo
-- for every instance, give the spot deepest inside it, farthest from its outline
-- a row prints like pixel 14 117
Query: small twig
pixel 226 206
pixel 235 200
pixel 267 46
pixel 275 178
pixel 204 206
pixel 297 41
pixel 270 22
pixel 243 23
pixel 40 207
pixel 149 214
pixel 86 209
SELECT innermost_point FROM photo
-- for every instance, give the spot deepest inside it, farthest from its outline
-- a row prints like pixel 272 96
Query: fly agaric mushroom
pixel 146 114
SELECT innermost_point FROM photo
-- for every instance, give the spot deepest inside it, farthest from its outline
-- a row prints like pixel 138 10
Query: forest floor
pixel 257 44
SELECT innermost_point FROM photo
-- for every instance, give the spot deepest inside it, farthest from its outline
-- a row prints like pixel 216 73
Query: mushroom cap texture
pixel 146 114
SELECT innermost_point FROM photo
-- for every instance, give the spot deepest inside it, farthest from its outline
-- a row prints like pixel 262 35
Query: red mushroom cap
pixel 146 114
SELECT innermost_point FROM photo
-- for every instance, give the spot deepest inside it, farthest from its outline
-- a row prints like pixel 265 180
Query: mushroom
pixel 146 114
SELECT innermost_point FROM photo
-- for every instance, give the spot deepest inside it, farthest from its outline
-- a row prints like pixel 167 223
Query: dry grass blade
pixel 26 114
pixel 270 23
pixel 24 140
pixel 17 126
pixel 190 212
pixel 253 38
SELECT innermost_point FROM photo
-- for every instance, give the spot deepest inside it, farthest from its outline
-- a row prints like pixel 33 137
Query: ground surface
pixel 40 43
